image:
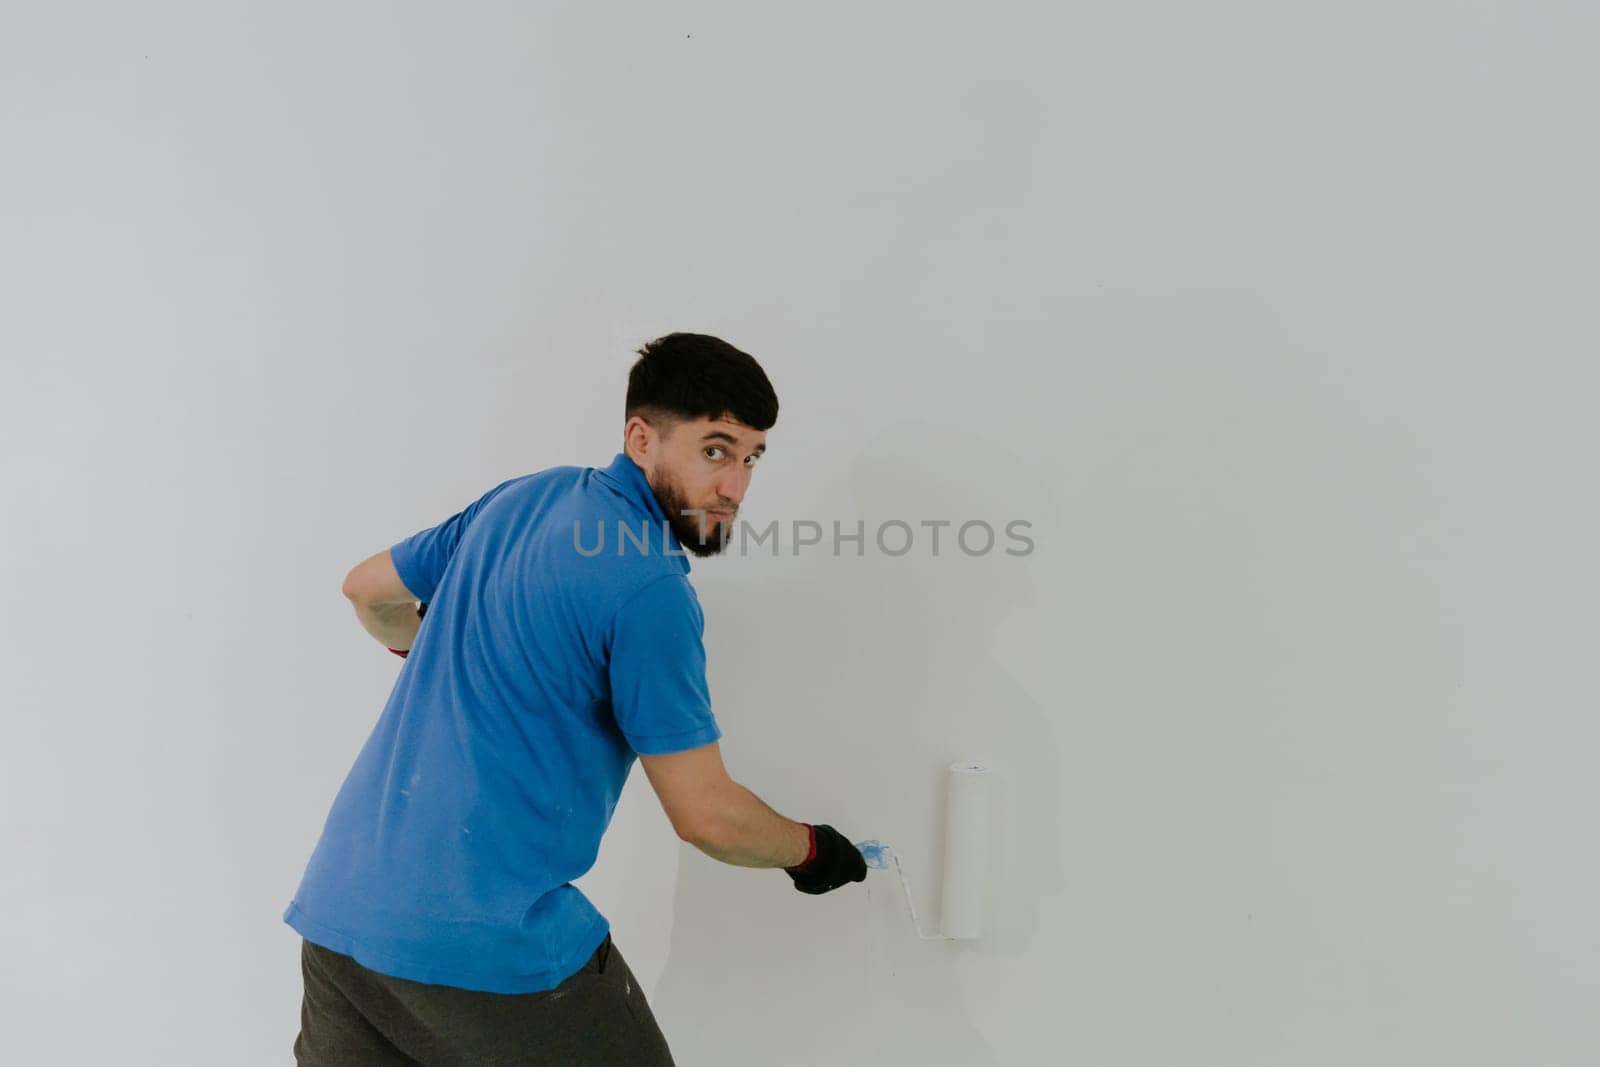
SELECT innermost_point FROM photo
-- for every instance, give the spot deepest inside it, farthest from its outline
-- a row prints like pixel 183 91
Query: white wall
pixel 1276 321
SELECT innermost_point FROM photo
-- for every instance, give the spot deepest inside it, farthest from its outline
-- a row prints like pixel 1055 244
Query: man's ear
pixel 638 439
pixel 643 437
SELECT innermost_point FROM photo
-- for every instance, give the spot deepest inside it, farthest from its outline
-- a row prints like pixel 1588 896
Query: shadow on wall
pixel 845 687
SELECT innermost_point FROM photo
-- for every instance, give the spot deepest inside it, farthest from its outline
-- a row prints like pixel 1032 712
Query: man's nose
pixel 731 486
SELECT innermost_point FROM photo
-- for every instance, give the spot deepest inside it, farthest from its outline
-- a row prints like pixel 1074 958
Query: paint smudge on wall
pixel 875 853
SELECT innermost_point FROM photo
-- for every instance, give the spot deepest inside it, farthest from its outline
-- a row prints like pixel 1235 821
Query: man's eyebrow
pixel 718 435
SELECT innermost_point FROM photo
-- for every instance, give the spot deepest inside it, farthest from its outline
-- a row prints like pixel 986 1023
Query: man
pixel 562 640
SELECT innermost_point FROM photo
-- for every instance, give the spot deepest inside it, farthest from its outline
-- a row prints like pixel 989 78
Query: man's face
pixel 703 465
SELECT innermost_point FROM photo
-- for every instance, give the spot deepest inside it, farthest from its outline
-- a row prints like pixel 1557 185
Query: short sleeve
pixel 420 559
pixel 658 670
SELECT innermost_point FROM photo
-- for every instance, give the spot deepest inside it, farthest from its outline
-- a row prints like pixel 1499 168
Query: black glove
pixel 833 862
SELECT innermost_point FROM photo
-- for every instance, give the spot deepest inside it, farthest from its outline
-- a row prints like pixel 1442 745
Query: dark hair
pixel 697 376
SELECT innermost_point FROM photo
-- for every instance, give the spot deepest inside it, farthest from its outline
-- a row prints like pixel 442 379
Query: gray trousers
pixel 352 1015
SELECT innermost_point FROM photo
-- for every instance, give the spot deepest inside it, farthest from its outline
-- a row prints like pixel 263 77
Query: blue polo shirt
pixel 562 638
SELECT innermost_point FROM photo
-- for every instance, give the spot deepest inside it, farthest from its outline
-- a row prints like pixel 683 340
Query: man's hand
pixel 834 861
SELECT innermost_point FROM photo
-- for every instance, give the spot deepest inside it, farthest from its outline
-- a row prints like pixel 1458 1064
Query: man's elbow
pixel 692 831
pixel 705 828
pixel 356 587
pixel 360 598
pixel 375 582
pixel 694 790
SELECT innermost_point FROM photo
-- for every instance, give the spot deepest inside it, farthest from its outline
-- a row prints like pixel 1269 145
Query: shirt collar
pixel 628 478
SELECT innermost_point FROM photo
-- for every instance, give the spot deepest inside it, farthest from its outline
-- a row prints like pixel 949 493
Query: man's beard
pixel 687 527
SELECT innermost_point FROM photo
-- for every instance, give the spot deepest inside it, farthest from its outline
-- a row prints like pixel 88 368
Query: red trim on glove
pixel 401 652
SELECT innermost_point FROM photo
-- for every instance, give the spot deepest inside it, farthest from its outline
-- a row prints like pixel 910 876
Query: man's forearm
pixel 747 833
pixel 394 625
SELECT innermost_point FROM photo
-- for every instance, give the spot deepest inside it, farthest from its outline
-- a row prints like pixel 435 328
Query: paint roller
pixel 966 851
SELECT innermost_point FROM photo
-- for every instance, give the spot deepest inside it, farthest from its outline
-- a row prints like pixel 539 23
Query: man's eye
pixel 713 452
pixel 750 461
